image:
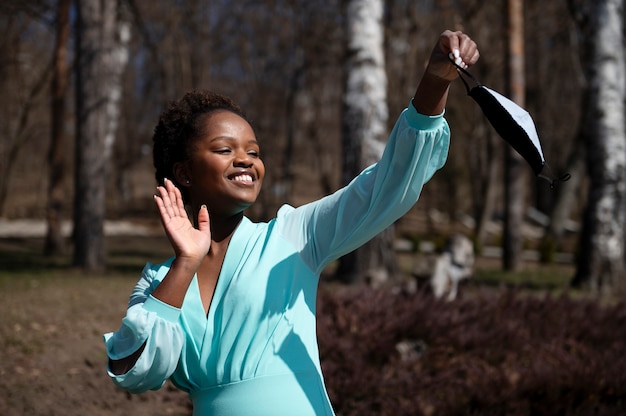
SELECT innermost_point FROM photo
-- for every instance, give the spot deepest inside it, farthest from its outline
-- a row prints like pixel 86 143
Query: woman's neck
pixel 222 228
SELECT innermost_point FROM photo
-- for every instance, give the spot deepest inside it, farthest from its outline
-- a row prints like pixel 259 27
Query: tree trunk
pixel 101 58
pixel 601 265
pixel 56 157
pixel 515 169
pixel 365 128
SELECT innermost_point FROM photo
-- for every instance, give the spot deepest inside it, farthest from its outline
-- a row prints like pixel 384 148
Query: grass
pixel 550 278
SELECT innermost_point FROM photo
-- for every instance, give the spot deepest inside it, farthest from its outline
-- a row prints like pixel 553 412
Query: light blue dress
pixel 256 352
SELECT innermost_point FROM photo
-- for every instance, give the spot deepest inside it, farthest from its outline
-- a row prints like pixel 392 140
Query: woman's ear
pixel 180 174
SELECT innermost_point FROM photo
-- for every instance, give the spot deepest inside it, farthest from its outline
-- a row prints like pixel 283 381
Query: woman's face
pixel 224 169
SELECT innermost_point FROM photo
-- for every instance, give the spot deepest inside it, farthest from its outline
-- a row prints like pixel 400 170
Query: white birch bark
pixel 601 265
pixel 366 83
pixel 365 127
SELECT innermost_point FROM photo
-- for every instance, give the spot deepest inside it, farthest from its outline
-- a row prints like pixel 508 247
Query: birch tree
pixel 364 127
pixel 601 261
pixel 102 42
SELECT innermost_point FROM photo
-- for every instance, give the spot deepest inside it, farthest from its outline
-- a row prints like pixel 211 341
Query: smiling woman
pixel 230 319
pixel 223 169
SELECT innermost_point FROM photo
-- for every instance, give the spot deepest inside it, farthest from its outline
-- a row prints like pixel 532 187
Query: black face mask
pixel 511 122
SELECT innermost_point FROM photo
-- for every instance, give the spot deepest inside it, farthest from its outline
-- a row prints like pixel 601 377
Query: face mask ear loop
pixel 551 181
pixel 563 178
pixel 462 71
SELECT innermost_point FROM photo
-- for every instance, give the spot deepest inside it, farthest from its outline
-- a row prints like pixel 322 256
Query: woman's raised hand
pixel 432 91
pixel 457 45
pixel 186 240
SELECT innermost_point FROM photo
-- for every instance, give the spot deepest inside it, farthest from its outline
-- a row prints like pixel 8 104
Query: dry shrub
pixel 494 353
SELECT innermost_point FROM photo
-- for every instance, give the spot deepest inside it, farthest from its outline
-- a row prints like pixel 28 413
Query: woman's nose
pixel 242 159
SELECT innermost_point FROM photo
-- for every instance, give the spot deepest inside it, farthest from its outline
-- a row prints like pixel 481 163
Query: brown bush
pixel 494 353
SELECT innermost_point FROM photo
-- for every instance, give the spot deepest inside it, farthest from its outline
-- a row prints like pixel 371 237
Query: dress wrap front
pixel 256 352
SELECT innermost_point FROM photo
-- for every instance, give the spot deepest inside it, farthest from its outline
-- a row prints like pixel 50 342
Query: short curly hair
pixel 179 125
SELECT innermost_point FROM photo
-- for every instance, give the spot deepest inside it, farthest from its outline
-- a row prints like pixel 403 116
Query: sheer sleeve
pixel 152 323
pixel 326 229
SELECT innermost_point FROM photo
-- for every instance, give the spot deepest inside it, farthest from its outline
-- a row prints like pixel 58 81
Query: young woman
pixel 230 319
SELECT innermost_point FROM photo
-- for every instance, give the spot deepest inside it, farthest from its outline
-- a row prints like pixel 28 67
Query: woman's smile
pixel 243 178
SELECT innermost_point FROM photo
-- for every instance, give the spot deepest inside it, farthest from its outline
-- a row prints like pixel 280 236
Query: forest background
pixel 285 62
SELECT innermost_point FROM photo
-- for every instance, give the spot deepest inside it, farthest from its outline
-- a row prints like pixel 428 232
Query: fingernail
pixel 457 53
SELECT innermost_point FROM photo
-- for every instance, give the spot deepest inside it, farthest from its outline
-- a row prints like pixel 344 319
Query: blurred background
pixel 83 84
pixel 323 81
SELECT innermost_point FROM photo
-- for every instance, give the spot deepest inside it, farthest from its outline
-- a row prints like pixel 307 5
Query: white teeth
pixel 243 178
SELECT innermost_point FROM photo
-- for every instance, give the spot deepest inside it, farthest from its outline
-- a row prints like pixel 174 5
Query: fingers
pixel 170 201
pixel 456 58
pixel 204 223
pixel 180 205
pixel 455 46
pixel 462 49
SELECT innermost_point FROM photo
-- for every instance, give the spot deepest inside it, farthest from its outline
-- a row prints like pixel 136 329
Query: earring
pixel 187 182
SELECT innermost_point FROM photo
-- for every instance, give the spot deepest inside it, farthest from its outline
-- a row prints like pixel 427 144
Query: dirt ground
pixel 51 349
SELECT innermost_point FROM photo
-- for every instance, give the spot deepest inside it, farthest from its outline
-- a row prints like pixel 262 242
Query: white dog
pixel 452 265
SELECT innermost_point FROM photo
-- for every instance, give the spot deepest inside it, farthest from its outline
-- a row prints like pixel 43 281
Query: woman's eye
pixel 253 153
pixel 222 151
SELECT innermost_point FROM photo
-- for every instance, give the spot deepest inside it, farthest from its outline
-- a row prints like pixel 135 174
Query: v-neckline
pixel 205 275
pixel 234 251
pixel 206 325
